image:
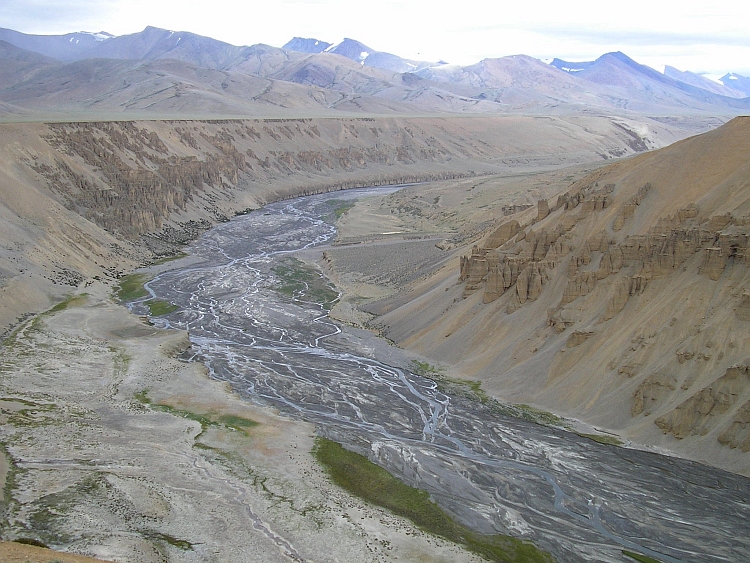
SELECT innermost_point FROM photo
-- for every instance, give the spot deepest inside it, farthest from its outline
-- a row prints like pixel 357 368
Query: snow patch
pixel 363 55
pixel 568 69
pixel 712 77
pixel 733 77
pixel 99 36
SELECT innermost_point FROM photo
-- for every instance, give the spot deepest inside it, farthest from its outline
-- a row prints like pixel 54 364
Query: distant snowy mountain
pixel 569 67
pixel 306 45
pixel 702 82
pixel 617 69
pixel 68 47
pixel 359 52
pixel 36 70
pixel 736 82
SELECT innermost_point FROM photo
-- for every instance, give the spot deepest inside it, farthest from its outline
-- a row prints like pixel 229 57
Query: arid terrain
pixel 123 452
pixel 573 243
pixel 621 301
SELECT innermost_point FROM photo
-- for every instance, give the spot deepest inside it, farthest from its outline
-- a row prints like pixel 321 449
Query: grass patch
pixel 639 557
pixel 227 421
pixel 340 207
pixel 472 390
pixel 34 416
pixel 166 259
pixel 358 475
pixel 236 422
pixel 301 281
pixel 71 301
pixel 159 307
pixel 603 439
pixel 31 541
pixel 184 545
pixel 531 414
pixel 131 287
pixel 425 369
pixel 9 482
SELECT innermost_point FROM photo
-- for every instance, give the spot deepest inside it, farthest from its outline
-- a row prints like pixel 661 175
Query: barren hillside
pixel 85 200
pixel 624 301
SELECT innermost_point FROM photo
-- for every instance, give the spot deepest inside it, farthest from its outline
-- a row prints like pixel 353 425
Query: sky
pixel 695 35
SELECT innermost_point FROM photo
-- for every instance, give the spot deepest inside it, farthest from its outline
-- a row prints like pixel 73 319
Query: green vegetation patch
pixel 639 557
pixel 603 439
pixel 358 475
pixel 426 369
pixel 48 515
pixel 472 390
pixel 300 281
pixel 32 542
pixel 166 259
pixel 35 415
pixel 72 301
pixel 227 421
pixel 8 481
pixel 531 414
pixel 184 545
pixel 158 307
pixel 131 287
pixel 340 207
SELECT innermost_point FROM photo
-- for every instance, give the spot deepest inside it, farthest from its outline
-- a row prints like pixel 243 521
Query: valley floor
pixel 118 449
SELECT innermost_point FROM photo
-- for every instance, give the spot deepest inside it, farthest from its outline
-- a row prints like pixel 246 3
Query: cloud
pixel 55 17
pixel 638 38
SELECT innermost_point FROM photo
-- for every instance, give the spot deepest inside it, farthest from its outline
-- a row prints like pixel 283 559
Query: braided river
pixel 576 498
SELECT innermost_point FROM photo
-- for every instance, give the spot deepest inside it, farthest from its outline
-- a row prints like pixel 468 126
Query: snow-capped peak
pixel 98 36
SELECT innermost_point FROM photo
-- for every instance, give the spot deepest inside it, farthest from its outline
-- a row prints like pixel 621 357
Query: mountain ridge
pixel 340 77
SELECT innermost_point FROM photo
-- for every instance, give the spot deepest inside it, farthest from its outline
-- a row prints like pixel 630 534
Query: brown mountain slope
pixel 623 302
pixel 80 200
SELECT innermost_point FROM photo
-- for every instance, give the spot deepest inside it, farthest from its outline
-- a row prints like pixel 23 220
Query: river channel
pixel 578 499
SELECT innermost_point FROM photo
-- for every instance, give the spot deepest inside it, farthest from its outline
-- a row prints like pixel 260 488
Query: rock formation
pixel 703 411
pixel 625 300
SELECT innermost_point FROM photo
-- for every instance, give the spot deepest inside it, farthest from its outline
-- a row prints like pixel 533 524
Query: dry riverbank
pixel 124 452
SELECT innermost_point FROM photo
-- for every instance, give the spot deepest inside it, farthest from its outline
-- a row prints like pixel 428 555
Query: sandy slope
pixel 661 363
pixel 77 199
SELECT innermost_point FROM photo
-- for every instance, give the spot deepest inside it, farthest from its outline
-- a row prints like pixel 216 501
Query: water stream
pixel 578 499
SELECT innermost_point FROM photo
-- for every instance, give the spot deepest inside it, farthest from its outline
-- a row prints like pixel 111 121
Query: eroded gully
pixel 580 500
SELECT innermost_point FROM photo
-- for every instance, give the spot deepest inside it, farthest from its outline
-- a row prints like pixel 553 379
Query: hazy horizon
pixel 701 37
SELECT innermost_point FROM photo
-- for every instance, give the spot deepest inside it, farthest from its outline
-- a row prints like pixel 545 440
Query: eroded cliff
pixel 93 199
pixel 623 301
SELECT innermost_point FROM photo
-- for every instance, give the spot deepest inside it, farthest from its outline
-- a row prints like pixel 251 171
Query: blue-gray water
pixel 580 500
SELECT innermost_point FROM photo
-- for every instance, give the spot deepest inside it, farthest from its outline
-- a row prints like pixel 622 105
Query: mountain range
pixel 162 73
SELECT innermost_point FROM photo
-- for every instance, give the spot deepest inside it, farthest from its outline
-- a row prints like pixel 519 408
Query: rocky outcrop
pixel 542 209
pixel 135 178
pixel 743 309
pixel 515 208
pixel 699 414
pixel 737 433
pixel 578 337
pixel 626 264
pixel 502 234
pixel 628 209
pixel 652 390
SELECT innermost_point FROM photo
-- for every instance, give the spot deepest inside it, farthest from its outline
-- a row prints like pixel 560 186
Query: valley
pixel 522 288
